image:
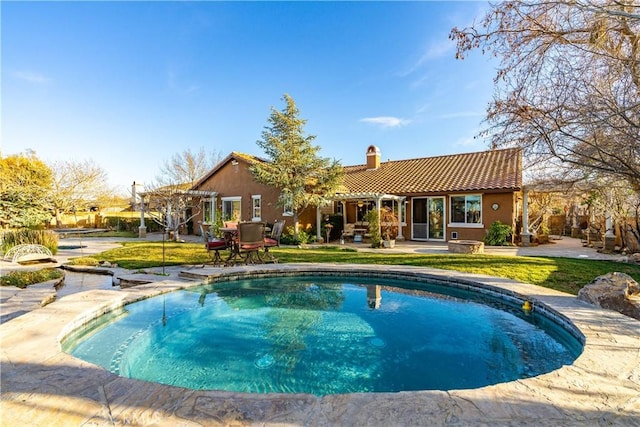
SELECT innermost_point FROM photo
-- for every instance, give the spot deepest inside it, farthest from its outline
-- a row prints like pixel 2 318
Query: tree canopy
pixel 25 182
pixel 76 186
pixel 295 167
pixel 187 167
pixel 568 85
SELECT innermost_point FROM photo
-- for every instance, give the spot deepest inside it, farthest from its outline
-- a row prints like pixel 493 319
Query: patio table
pixel 358 234
pixel 231 236
pixel 246 252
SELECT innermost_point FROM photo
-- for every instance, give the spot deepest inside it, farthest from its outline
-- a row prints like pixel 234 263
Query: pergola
pixel 362 197
pixel 559 187
pixel 139 196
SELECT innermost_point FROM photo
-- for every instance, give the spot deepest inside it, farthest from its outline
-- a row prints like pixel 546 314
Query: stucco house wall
pixel 494 176
pixel 232 178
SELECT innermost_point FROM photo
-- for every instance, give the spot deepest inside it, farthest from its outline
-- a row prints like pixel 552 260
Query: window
pixel 362 210
pixel 207 211
pixel 256 203
pixel 288 205
pixel 466 209
pixel 231 209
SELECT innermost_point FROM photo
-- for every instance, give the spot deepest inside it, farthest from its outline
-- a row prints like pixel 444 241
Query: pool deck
pixel 42 386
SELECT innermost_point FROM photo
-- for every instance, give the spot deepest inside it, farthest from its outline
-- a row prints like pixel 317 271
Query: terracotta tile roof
pixel 486 170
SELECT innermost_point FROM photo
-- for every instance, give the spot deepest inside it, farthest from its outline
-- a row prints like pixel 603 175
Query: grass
pixel 563 274
pixel 22 279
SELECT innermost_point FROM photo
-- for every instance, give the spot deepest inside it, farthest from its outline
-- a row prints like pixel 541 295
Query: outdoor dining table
pixel 231 235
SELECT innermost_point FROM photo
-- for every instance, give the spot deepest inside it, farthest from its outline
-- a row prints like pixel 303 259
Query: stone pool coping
pixel 41 385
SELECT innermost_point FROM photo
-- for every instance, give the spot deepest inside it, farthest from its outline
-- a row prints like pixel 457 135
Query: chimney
pixel 373 157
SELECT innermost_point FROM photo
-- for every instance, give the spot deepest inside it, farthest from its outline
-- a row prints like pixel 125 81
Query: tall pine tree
pixel 303 177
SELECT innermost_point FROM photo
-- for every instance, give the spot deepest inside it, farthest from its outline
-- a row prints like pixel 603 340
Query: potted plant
pixel 389 225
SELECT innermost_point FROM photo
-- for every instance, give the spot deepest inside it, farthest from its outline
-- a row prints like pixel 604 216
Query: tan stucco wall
pixel 237 181
pixel 505 214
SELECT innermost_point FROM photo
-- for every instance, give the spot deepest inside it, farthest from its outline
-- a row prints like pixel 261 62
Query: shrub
pixel 373 218
pixel 85 261
pixel 22 279
pixel 337 225
pixel 24 236
pixel 499 234
pixel 287 238
pixel 123 223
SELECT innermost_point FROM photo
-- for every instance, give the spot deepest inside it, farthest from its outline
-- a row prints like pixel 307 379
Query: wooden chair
pixel 251 241
pixel 349 231
pixel 273 240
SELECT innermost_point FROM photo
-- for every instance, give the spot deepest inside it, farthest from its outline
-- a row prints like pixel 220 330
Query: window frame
pixel 287 206
pixel 231 200
pixel 208 210
pixel 256 207
pixel 467 211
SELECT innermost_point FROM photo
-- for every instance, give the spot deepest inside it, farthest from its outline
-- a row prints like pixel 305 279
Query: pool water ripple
pixel 323 336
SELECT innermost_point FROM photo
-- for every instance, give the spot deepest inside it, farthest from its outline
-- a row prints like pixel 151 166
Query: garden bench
pixel 28 253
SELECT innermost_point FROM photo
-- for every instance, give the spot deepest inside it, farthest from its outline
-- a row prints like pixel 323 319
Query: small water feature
pixel 80 282
pixel 71 247
pixel 325 336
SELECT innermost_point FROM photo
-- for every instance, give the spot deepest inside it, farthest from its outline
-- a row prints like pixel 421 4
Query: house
pixel 436 198
pixel 236 195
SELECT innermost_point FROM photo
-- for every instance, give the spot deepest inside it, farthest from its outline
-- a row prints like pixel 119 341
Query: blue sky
pixel 130 84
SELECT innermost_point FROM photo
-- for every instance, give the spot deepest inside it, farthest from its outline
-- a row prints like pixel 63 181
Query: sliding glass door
pixel 428 217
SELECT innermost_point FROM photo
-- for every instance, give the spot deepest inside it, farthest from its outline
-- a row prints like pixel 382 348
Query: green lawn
pixel 563 274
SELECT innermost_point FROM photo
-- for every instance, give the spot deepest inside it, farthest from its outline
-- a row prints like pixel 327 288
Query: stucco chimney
pixel 373 157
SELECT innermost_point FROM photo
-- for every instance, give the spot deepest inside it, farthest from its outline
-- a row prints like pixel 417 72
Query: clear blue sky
pixel 130 84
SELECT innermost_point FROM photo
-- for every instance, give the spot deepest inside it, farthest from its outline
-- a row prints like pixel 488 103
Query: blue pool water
pixel 324 336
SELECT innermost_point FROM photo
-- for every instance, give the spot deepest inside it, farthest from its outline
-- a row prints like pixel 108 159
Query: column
pixel 575 227
pixel 399 215
pixel 142 230
pixel 318 225
pixel 609 234
pixel 526 235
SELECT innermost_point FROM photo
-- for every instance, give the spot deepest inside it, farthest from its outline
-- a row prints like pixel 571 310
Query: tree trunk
pixel 295 224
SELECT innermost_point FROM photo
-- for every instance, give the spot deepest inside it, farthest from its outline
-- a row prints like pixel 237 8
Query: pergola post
pixel 318 225
pixel 609 234
pixel 137 201
pixel 575 227
pixel 400 236
pixel 526 234
pixel 344 213
pixel 142 229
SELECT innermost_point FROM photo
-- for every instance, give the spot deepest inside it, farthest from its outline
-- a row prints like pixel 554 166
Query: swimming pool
pixel 326 335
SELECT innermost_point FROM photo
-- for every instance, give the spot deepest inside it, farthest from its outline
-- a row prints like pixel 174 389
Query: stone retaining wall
pixel 466 246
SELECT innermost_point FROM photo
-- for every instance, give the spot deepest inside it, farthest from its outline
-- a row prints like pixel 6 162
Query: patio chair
pixel 213 245
pixel 251 241
pixel 273 240
pixel 349 231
